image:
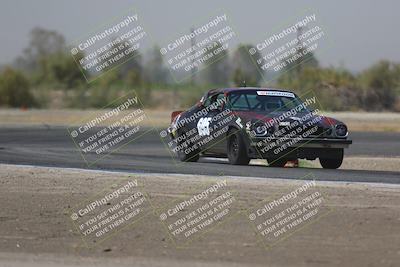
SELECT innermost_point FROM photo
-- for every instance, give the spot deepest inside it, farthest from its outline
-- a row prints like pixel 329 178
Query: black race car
pixel 247 123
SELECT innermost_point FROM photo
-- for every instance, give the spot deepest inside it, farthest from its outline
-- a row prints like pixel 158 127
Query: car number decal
pixel 239 122
pixel 203 126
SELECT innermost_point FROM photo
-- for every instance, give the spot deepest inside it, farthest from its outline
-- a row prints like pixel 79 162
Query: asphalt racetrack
pixel 52 146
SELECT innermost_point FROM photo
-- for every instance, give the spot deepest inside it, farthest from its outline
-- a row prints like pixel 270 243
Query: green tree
pixel 133 64
pixel 15 89
pixel 335 89
pixel 245 70
pixel 42 43
pixel 154 70
pixel 60 68
pixel 216 70
pixel 380 84
pixel 295 63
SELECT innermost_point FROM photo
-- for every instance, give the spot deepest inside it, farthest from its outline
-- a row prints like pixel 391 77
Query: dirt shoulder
pixel 361 227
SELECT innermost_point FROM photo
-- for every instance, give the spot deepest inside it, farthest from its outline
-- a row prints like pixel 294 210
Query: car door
pixel 210 126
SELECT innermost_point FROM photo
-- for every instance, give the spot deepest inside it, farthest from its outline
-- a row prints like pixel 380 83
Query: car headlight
pixel 341 130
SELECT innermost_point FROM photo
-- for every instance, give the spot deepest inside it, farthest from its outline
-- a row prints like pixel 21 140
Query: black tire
pixel 237 150
pixel 192 156
pixel 277 162
pixel 333 162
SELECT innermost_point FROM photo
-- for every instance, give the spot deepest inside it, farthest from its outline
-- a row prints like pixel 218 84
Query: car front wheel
pixel 334 161
pixel 237 154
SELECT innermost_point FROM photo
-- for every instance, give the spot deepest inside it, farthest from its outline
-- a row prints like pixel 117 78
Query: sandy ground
pixel 362 227
pixel 356 121
pixel 68 117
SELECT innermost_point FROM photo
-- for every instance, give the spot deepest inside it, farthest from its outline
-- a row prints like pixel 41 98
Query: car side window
pixel 239 102
pixel 220 98
pixel 214 98
pixel 289 103
pixel 208 101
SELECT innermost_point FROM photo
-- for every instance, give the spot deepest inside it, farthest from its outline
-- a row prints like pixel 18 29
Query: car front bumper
pixel 294 148
pixel 304 142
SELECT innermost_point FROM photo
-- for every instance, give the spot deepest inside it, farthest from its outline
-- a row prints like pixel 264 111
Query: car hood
pixel 266 117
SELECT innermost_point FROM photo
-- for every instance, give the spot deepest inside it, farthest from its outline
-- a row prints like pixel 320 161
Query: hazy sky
pixel 361 31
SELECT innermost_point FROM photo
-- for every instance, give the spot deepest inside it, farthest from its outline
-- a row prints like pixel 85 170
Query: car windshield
pixel 263 101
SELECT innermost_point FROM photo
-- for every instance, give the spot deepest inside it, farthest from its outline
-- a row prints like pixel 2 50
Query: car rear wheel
pixel 334 161
pixel 237 154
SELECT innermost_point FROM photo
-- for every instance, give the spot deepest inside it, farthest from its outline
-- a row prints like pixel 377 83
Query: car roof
pixel 234 89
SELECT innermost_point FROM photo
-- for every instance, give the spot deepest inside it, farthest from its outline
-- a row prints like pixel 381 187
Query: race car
pixel 257 123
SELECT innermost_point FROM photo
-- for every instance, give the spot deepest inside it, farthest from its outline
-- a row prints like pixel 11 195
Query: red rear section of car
pixel 174 114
